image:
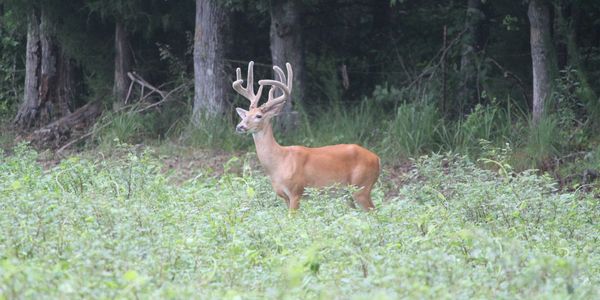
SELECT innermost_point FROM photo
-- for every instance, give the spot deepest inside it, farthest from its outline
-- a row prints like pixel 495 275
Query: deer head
pixel 257 117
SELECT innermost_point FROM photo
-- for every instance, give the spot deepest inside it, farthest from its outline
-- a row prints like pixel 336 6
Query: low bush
pixel 121 228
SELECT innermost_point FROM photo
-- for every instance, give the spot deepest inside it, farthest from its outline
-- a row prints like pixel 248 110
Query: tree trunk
pixel 287 45
pixel 48 76
pixel 28 109
pixel 541 54
pixel 473 44
pixel 122 64
pixel 211 86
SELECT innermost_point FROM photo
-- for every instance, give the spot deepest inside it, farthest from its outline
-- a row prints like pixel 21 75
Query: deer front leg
pixel 285 199
pixel 295 202
pixel 295 195
pixel 281 193
pixel 290 193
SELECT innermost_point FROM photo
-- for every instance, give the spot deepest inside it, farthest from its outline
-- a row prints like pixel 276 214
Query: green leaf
pixel 130 275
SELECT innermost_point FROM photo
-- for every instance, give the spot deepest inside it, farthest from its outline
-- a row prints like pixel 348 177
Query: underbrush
pixel 395 123
pixel 121 228
pixel 7 136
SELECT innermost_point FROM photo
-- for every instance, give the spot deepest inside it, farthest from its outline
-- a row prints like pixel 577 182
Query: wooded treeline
pixel 537 56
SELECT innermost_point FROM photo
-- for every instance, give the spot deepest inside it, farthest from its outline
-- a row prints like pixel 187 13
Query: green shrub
pixel 488 122
pixel 543 140
pixel 119 228
pixel 411 130
pixel 124 127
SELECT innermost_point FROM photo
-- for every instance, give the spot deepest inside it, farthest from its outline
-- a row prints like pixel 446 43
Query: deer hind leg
pixel 363 197
pixel 367 178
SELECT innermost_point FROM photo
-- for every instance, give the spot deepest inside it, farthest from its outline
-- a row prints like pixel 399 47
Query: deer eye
pixel 258 116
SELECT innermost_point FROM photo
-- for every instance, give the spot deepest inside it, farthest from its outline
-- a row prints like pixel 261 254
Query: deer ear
pixel 241 112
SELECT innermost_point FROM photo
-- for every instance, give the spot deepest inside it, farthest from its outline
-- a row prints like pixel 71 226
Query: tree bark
pixel 122 64
pixel 48 76
pixel 287 45
pixel 28 109
pixel 541 54
pixel 211 86
pixel 473 44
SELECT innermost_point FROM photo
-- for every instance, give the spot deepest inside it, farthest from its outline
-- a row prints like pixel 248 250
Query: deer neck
pixel 269 152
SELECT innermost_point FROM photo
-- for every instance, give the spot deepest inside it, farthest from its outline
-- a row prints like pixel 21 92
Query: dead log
pixel 59 132
pixel 81 124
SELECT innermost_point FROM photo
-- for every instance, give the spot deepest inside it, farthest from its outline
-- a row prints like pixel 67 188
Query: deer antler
pixel 280 83
pixel 247 92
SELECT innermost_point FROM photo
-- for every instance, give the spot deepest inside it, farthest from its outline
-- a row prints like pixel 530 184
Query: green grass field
pixel 122 228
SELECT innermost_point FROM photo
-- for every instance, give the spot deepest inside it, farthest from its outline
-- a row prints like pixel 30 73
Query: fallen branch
pixel 135 78
pixel 144 84
pixel 164 99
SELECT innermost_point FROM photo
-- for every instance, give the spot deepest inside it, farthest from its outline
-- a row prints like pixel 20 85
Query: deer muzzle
pixel 241 128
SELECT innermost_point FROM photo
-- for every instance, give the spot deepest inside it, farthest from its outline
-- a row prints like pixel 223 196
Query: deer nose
pixel 241 128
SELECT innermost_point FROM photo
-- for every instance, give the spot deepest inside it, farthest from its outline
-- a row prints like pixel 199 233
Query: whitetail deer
pixel 294 168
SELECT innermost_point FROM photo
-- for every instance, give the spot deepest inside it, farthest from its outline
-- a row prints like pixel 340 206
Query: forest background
pixel 403 78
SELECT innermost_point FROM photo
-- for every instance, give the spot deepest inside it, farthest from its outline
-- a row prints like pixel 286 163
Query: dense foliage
pixel 403 77
pixel 91 228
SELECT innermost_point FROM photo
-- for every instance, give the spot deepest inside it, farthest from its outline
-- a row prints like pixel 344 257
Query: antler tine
pixel 250 76
pixel 274 85
pixel 281 84
pixel 280 74
pixel 248 91
pixel 288 66
pixel 238 74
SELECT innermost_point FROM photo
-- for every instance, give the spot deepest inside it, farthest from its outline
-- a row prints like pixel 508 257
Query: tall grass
pixel 489 122
pixel 395 123
pixel 411 130
pixel 356 124
pixel 124 127
pixel 543 140
pixel 215 132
